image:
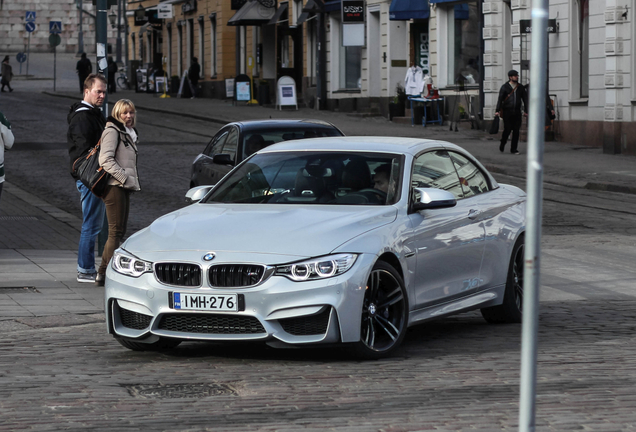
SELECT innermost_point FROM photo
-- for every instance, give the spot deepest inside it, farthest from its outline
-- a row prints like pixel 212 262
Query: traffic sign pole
pixel 28 55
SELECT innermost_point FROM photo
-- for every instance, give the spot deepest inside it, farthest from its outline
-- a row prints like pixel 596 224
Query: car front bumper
pixel 277 310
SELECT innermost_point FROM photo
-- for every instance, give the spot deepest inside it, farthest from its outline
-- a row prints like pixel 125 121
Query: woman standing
pixel 118 156
pixel 7 74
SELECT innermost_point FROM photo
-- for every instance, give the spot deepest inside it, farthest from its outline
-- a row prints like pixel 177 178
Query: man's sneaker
pixel 86 277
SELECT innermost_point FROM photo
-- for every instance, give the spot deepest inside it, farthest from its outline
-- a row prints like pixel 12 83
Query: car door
pixel 203 166
pixel 448 243
pixel 491 203
pixel 230 148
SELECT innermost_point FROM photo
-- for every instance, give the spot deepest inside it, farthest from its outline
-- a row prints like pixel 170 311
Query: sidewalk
pixel 38 242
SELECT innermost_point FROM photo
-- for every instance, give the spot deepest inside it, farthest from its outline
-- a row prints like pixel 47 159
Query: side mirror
pixel 222 159
pixel 196 194
pixel 432 198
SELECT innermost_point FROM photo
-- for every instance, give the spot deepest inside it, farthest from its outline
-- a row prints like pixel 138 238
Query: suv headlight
pixel 129 265
pixel 317 268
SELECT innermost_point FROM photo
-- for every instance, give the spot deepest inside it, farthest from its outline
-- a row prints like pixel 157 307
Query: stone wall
pixel 14 37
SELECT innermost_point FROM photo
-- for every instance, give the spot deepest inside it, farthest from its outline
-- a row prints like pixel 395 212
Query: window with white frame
pixel 464 36
pixel 584 47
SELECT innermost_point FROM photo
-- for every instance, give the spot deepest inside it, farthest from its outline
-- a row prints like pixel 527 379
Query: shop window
pixel 350 74
pixel 213 45
pixel 464 37
pixel 584 47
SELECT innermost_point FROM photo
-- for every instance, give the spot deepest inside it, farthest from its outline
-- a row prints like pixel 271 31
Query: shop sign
pixel 353 11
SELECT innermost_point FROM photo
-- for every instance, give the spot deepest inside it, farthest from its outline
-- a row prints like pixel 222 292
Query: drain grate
pixel 179 391
pixel 18 218
pixel 28 289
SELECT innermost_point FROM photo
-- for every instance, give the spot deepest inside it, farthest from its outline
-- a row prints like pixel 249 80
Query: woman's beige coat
pixel 118 156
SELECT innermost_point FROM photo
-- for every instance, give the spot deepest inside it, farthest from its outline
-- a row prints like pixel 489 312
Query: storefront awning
pixel 333 6
pixel 402 10
pixel 279 12
pixel 252 13
pixel 312 7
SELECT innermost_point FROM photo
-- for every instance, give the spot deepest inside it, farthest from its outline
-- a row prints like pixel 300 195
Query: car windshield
pixel 256 140
pixel 341 178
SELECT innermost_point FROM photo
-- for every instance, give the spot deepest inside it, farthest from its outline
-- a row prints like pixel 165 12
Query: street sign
pixel 164 11
pixel 525 26
pixel 30 16
pixel 21 57
pixel 30 26
pixel 54 39
pixel 55 27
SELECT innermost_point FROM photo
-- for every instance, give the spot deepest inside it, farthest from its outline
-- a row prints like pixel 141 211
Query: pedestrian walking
pixel 193 75
pixel 112 70
pixel 118 156
pixel 7 74
pixel 85 126
pixel 6 142
pixel 83 68
pixel 511 95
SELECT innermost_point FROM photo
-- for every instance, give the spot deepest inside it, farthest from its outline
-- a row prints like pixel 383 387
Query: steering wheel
pixel 378 193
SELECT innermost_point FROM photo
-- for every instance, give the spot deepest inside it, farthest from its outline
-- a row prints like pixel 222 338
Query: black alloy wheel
pixel 384 313
pixel 510 311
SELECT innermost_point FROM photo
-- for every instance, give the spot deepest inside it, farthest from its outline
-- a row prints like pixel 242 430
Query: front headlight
pixel 129 265
pixel 317 268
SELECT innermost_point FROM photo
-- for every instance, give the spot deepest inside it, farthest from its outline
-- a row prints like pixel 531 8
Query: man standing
pixel 85 126
pixel 193 76
pixel 511 95
pixel 112 70
pixel 84 69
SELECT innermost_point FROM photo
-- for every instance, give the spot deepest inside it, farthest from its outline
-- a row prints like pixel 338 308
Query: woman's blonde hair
pixel 120 107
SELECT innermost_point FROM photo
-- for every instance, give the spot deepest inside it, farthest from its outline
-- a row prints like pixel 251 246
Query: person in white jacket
pixel 6 142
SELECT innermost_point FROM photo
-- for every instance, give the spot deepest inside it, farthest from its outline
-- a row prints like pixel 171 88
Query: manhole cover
pixel 178 391
pixel 28 289
pixel 17 218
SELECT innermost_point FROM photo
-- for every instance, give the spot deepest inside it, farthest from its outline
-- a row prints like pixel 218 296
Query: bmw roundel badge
pixel 209 256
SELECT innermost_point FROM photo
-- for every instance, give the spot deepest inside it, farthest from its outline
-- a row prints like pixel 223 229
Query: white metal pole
pixel 532 268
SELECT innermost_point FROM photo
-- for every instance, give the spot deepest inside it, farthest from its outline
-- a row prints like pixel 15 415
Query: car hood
pixel 283 230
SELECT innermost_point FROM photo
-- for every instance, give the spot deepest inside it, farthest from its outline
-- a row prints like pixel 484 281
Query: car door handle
pixel 472 213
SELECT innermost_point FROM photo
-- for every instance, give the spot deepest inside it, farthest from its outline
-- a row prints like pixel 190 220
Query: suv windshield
pixel 349 178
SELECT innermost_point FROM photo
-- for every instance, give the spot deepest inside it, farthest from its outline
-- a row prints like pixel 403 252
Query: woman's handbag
pixel 94 177
pixel 494 126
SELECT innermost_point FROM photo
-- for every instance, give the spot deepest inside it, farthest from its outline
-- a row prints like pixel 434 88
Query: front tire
pixel 384 316
pixel 510 311
pixel 163 344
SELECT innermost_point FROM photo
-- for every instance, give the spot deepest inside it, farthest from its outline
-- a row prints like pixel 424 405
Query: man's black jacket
pixel 84 67
pixel 194 72
pixel 512 105
pixel 85 127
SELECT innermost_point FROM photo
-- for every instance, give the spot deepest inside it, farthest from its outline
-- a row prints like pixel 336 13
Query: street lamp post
pixel 80 35
pixel 118 48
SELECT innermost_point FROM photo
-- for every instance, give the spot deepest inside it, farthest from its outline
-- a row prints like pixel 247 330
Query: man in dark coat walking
pixel 85 126
pixel 511 95
pixel 84 68
pixel 193 76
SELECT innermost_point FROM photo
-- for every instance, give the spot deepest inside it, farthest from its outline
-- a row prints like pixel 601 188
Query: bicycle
pixel 122 79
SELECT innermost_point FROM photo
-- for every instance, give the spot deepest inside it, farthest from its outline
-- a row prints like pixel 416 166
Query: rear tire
pixel 510 311
pixel 384 316
pixel 162 344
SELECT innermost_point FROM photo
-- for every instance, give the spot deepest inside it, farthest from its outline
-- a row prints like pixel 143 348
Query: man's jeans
pixel 93 217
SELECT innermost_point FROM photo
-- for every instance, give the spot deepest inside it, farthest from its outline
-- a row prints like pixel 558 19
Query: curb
pixel 162 111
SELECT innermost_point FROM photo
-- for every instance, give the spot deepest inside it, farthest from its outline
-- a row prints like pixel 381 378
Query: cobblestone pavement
pixel 59 370
pixel 458 374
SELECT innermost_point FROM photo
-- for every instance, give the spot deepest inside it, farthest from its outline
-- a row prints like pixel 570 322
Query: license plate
pixel 206 302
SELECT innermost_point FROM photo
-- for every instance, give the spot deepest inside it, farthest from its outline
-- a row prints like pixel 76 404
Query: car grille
pixel 211 324
pixel 306 325
pixel 235 275
pixel 133 320
pixel 178 274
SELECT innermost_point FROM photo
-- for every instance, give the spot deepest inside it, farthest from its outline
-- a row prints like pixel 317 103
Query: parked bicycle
pixel 122 79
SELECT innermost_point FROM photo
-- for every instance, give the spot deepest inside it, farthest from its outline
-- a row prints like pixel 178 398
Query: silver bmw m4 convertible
pixel 340 240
